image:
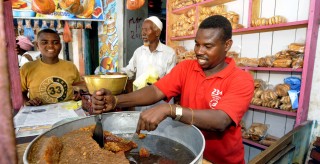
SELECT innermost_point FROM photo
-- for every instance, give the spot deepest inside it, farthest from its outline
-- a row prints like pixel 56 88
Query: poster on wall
pixel 108 40
pixel 82 10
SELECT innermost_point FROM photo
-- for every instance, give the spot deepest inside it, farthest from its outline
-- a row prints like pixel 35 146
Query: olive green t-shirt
pixel 51 83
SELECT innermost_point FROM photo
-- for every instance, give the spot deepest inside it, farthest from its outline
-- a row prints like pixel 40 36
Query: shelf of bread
pixel 183 25
pixel 288 60
pixel 250 30
pixel 180 6
pixel 247 68
pixel 257 135
pixel 275 99
pixel 184 21
pixel 183 37
pixel 272 110
pixel 275 27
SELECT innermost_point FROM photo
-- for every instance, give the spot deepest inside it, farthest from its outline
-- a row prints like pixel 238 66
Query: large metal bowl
pixel 125 123
pixel 115 83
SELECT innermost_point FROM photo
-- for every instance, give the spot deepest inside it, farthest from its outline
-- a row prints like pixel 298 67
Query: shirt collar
pixel 159 47
pixel 223 73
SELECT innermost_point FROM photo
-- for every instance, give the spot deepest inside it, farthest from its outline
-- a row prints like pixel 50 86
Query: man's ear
pixel 36 45
pixel 158 33
pixel 228 44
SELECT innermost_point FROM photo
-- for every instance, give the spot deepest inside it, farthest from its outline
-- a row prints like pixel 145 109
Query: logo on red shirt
pixel 216 96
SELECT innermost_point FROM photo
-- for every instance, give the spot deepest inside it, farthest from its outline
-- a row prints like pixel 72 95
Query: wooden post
pixel 14 72
pixel 7 136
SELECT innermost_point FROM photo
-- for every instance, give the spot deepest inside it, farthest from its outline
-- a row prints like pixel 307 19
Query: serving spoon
pixel 98 132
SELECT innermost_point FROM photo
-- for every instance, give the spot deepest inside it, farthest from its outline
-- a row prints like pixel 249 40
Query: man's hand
pixel 102 101
pixel 151 118
pixel 76 96
pixel 34 102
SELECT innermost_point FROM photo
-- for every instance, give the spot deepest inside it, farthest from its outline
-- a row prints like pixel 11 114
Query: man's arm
pixel 104 101
pixel 31 102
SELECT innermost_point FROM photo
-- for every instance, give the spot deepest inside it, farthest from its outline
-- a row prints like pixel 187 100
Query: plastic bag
pixel 44 25
pixel 294 83
pixel 134 4
pixel 67 37
pixel 28 31
pixel 294 96
pixel 257 131
pixel 147 78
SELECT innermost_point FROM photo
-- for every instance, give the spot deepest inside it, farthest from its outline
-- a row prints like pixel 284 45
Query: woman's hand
pixel 34 102
pixel 102 101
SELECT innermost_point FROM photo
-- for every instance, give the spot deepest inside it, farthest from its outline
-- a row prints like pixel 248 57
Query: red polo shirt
pixel 229 90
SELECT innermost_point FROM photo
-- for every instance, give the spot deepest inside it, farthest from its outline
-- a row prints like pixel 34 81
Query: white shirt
pixel 162 59
pixel 23 60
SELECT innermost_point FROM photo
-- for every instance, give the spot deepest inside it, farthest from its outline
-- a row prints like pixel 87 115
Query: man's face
pixel 209 48
pixel 49 45
pixel 149 35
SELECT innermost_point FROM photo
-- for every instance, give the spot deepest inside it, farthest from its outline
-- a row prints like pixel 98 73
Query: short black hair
pixel 47 30
pixel 218 21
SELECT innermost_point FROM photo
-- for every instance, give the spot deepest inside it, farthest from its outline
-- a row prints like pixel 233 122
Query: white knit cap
pixel 156 21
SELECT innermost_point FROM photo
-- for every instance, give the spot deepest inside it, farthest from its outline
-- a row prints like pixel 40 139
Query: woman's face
pixel 149 34
pixel 210 49
pixel 19 50
pixel 49 45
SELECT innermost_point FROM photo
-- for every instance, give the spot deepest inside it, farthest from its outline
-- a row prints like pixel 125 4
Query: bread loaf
pixel 282 89
pixel 282 63
pixel 296 47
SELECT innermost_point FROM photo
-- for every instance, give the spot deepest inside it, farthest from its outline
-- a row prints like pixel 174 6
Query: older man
pixel 153 59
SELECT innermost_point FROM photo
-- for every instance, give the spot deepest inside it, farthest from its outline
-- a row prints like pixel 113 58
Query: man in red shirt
pixel 215 94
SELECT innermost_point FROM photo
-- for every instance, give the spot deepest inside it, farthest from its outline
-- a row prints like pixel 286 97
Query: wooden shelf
pixel 254 143
pixel 183 37
pixel 250 30
pixel 204 3
pixel 272 69
pixel 276 27
pixel 278 111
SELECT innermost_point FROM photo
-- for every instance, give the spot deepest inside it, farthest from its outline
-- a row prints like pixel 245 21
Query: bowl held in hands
pixel 115 83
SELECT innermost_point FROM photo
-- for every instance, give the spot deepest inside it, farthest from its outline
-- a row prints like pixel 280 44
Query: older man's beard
pixel 147 43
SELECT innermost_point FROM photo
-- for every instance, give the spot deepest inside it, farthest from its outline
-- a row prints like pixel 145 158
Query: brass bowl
pixel 115 83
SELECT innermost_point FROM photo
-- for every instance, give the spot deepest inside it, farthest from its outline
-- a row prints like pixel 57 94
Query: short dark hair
pixel 218 21
pixel 47 30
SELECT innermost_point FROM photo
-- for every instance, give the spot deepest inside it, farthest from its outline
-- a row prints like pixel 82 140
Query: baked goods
pixel 78 147
pixel 71 6
pixel 176 4
pixel 299 47
pixel 185 24
pixel 134 4
pixel 282 63
pixel 282 89
pixel 18 4
pixel 266 61
pixel 257 131
pixel 183 54
pixel 268 21
pixel 268 140
pixel 142 136
pixel 43 6
pixel 143 152
pixel 258 83
pixel 232 54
